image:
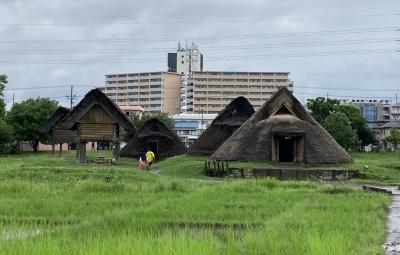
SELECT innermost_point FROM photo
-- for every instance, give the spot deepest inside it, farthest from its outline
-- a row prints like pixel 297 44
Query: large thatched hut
pixel 156 136
pixel 58 135
pixel 223 126
pixel 96 119
pixel 282 130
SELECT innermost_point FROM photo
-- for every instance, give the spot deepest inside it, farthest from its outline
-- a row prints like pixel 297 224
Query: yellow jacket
pixel 150 156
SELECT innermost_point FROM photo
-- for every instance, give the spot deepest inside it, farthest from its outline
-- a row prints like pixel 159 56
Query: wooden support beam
pixel 116 151
pixel 82 152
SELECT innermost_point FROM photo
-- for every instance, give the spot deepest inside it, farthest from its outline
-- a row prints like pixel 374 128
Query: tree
pixel 5 130
pixel 358 123
pixel 321 107
pixel 337 124
pixel 27 117
pixel 3 82
pixel 394 137
pixel 140 118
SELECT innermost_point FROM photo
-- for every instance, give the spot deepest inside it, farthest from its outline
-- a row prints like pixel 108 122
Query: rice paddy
pixel 51 205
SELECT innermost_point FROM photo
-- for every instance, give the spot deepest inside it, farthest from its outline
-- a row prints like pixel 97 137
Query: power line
pixel 348 89
pixel 48 87
pixel 343 96
pixel 216 37
pixel 208 21
pixel 247 57
pixel 226 48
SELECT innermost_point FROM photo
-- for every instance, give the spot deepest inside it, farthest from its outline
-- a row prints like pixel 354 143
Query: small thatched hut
pixel 58 135
pixel 282 130
pixel 156 136
pixel 96 118
pixel 223 126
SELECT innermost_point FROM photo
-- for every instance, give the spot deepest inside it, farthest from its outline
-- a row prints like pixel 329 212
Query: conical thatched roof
pixel 284 117
pixel 92 98
pixel 154 131
pixel 223 126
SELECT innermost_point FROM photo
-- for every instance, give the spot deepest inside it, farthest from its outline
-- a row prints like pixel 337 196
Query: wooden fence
pixel 217 168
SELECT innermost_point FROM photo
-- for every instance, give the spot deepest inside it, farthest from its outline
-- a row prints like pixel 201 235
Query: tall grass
pixel 54 206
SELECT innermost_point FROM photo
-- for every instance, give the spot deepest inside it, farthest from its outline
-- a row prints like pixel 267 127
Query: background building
pixel 154 91
pixel 190 126
pixel 184 62
pixel 376 110
pixel 212 91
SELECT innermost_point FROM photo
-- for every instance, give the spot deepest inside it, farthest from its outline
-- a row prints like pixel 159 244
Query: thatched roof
pixel 223 126
pixel 169 144
pixel 97 97
pixel 54 120
pixel 282 114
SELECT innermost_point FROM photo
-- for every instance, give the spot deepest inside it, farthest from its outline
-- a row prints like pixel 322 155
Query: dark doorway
pixel 286 149
pixel 153 145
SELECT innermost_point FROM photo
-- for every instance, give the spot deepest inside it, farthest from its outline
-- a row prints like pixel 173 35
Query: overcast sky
pixel 341 47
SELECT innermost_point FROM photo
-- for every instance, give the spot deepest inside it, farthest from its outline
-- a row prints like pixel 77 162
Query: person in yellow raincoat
pixel 149 158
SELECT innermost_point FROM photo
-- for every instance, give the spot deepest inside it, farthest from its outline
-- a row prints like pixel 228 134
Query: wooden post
pixel 53 148
pixel 60 149
pixel 116 151
pixel 78 151
pixel 82 154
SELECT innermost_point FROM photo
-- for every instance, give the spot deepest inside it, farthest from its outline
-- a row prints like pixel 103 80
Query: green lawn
pixel 51 205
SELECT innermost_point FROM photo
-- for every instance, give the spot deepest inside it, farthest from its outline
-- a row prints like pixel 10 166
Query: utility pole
pixel 71 96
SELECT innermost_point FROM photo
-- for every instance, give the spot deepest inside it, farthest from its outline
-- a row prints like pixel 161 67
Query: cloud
pixel 96 23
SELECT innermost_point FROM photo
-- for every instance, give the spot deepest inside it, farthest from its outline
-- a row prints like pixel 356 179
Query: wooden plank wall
pixel 96 131
pixel 96 115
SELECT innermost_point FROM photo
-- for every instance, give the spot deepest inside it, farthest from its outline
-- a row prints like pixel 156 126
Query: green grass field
pixel 51 205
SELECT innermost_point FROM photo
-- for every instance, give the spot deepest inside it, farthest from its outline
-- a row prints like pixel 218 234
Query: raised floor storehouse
pixel 58 135
pixel 96 119
pixel 282 130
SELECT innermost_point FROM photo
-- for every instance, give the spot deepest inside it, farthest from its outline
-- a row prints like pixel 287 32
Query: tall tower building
pixel 184 62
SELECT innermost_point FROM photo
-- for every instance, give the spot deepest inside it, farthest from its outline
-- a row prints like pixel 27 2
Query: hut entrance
pixel 153 145
pixel 286 149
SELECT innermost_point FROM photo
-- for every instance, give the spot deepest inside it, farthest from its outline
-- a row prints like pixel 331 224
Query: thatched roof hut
pixel 97 104
pixel 52 126
pixel 154 135
pixel 96 118
pixel 223 126
pixel 282 130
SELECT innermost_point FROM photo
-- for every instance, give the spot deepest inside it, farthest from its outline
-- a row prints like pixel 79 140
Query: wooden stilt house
pixel 58 135
pixel 97 119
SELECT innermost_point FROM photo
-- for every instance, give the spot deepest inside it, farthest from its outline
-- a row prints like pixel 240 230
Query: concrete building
pixel 184 62
pixel 374 110
pixel 154 91
pixel 190 126
pixel 211 91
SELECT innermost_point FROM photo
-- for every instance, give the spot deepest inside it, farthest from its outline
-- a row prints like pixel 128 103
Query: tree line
pixel 22 122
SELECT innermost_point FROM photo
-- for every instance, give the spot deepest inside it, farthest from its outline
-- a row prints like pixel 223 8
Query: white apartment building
pixel 211 91
pixel 154 91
